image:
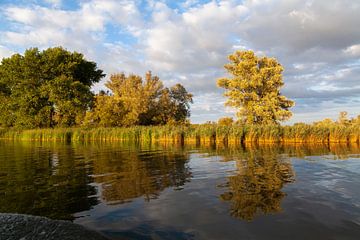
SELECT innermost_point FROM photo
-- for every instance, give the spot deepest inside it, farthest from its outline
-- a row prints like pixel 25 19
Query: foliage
pixel 134 101
pixel 226 121
pixel 254 88
pixel 46 88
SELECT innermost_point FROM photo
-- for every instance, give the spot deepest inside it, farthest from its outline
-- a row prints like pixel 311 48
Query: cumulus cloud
pixel 83 29
pixel 192 41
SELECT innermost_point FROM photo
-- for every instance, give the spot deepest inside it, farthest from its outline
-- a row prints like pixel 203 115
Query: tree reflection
pixel 44 181
pixel 256 187
pixel 125 175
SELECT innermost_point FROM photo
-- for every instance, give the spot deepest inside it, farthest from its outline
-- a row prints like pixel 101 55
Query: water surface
pixel 129 191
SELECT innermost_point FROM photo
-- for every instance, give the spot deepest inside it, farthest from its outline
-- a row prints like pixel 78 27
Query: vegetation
pixel 254 89
pixel 136 102
pixel 46 96
pixel 46 89
pixel 320 132
pixel 51 88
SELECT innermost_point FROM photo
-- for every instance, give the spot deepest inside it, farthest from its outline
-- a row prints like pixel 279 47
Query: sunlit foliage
pixel 254 88
pixel 134 101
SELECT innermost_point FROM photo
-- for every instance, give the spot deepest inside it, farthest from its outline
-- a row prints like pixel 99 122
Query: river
pixel 158 191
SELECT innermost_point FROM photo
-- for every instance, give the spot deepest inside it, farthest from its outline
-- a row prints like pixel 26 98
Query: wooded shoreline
pixel 195 134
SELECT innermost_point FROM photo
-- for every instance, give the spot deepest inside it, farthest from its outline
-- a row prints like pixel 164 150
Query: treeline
pixel 198 134
pixel 52 88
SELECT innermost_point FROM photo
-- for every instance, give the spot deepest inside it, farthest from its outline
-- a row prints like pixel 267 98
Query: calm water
pixel 169 192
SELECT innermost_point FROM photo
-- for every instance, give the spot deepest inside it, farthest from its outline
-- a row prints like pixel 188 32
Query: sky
pixel 188 41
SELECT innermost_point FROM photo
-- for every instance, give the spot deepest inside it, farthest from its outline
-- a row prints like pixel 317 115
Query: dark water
pixel 168 192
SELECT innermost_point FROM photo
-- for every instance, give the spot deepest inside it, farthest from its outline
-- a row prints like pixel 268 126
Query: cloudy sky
pixel 187 41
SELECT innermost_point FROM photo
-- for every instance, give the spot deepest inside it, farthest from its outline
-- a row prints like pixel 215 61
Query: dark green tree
pixel 46 88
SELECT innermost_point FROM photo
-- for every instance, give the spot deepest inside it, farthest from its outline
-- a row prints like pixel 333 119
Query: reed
pixel 199 134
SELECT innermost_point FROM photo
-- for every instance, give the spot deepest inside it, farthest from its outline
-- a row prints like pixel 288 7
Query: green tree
pixel 174 105
pixel 47 88
pixel 182 100
pixel 254 88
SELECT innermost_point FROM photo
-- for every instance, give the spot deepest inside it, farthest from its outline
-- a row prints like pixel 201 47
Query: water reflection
pixel 44 181
pixel 125 175
pixel 57 181
pixel 256 188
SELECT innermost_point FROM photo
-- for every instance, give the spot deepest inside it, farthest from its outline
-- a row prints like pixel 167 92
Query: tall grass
pixel 199 134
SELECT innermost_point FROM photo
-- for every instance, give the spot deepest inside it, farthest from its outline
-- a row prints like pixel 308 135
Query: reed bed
pixel 199 134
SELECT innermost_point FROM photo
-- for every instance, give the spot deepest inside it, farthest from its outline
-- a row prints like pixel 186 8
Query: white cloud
pixel 194 40
pixel 47 26
pixel 353 50
pixel 82 30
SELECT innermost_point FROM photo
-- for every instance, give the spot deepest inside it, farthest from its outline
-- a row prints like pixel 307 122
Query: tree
pixel 134 101
pixel 137 96
pixel 107 112
pixel 254 88
pixel 226 121
pixel 343 118
pixel 47 88
pixel 174 105
pixel 182 100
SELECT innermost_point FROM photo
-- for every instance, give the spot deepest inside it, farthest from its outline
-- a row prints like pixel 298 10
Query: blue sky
pixel 188 41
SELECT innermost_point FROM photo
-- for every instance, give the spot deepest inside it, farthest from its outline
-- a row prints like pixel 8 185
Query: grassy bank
pixel 206 133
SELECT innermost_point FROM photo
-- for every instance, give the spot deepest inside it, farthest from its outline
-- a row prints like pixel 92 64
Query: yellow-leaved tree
pixel 254 88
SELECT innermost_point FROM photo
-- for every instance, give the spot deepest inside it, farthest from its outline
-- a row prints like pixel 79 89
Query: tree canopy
pixel 254 88
pixel 46 88
pixel 137 101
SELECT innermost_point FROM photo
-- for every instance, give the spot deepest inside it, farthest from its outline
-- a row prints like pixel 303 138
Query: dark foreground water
pixel 168 192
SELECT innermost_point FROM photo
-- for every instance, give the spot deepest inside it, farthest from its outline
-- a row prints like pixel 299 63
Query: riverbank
pixel 199 134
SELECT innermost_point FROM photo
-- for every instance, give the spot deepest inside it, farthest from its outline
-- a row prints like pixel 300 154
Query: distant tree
pixel 254 88
pixel 343 118
pixel 47 88
pixel 325 122
pixel 226 121
pixel 181 100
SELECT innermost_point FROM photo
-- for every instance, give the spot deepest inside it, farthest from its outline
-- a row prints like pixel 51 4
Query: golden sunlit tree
pixel 137 101
pixel 226 121
pixel 254 88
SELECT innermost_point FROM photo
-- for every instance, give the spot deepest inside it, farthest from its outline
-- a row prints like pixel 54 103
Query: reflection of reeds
pixel 199 134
